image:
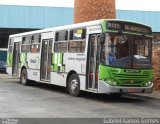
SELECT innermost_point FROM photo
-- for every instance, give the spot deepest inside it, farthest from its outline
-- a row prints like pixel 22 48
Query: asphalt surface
pixel 48 101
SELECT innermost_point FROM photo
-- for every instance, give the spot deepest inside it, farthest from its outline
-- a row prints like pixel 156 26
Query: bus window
pixel 35 40
pixel 61 36
pixel 76 46
pixel 77 41
pixel 78 34
pixel 61 41
pixel 25 47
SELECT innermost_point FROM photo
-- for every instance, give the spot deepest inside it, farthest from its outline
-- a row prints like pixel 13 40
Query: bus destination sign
pixel 128 26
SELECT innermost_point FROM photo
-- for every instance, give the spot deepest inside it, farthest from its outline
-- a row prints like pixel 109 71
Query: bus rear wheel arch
pixel 24 76
pixel 73 85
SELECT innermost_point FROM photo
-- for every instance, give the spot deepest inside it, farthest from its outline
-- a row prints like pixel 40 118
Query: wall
pixel 88 10
pixel 12 16
pixel 156 66
pixel 156 60
pixel 150 18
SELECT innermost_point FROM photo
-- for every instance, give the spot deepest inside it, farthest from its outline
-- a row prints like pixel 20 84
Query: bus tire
pixel 74 85
pixel 24 77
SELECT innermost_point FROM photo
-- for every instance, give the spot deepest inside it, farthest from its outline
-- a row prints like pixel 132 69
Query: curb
pixel 143 96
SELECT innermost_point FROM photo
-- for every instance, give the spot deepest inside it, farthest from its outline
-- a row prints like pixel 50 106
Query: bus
pixel 103 56
pixel 3 58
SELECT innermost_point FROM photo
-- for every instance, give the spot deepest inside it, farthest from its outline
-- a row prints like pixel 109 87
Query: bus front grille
pixel 130 80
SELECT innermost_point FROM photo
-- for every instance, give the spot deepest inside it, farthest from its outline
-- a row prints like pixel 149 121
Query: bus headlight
pixel 148 83
pixel 111 82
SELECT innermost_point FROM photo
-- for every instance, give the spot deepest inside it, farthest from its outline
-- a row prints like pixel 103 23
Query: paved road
pixel 46 101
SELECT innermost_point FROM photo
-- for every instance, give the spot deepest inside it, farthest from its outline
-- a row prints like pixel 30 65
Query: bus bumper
pixel 106 88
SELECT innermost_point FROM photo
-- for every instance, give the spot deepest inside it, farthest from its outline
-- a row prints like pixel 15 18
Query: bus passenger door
pixel 92 63
pixel 46 55
pixel 16 57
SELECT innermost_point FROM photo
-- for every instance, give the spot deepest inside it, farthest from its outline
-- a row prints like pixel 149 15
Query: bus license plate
pixel 132 90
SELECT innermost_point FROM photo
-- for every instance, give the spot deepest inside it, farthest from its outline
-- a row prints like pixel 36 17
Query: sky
pixel 143 5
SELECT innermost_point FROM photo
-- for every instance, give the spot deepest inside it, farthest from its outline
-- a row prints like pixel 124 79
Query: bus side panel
pixel 82 82
pixel 19 74
pixel 9 70
pixel 77 62
pixel 33 75
pixel 58 64
pixel 22 62
pixel 58 78
pixel 33 65
pixel 59 72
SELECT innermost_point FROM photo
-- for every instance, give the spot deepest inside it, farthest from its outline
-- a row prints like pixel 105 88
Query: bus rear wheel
pixel 24 77
pixel 74 85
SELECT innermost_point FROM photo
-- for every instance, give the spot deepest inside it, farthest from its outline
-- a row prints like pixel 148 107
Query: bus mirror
pixel 102 38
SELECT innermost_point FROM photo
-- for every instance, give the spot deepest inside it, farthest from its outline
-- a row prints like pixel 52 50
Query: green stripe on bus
pixel 60 59
pixel 52 59
pixel 9 59
pixel 62 68
pixel 23 58
pixel 103 25
pixel 57 62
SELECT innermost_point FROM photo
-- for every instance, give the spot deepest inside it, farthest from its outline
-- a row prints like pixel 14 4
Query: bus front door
pixel 93 62
pixel 16 57
pixel 46 54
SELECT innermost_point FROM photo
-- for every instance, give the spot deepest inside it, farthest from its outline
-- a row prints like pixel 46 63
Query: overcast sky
pixel 145 5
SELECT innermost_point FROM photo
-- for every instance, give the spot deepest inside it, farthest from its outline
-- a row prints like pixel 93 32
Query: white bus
pixel 102 56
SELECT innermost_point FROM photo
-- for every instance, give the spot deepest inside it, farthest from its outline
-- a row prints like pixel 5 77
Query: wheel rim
pixel 74 85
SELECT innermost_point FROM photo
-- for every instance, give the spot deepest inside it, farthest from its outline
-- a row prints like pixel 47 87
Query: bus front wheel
pixel 24 76
pixel 74 85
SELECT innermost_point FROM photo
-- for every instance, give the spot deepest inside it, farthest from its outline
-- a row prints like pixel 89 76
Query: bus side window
pixel 35 43
pixel 25 47
pixel 61 41
pixel 77 41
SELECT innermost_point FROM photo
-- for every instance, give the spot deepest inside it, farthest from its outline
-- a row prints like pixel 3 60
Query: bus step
pixel 92 90
pixel 45 81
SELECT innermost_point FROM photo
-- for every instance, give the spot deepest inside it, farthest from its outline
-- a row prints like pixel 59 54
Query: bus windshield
pixel 127 51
